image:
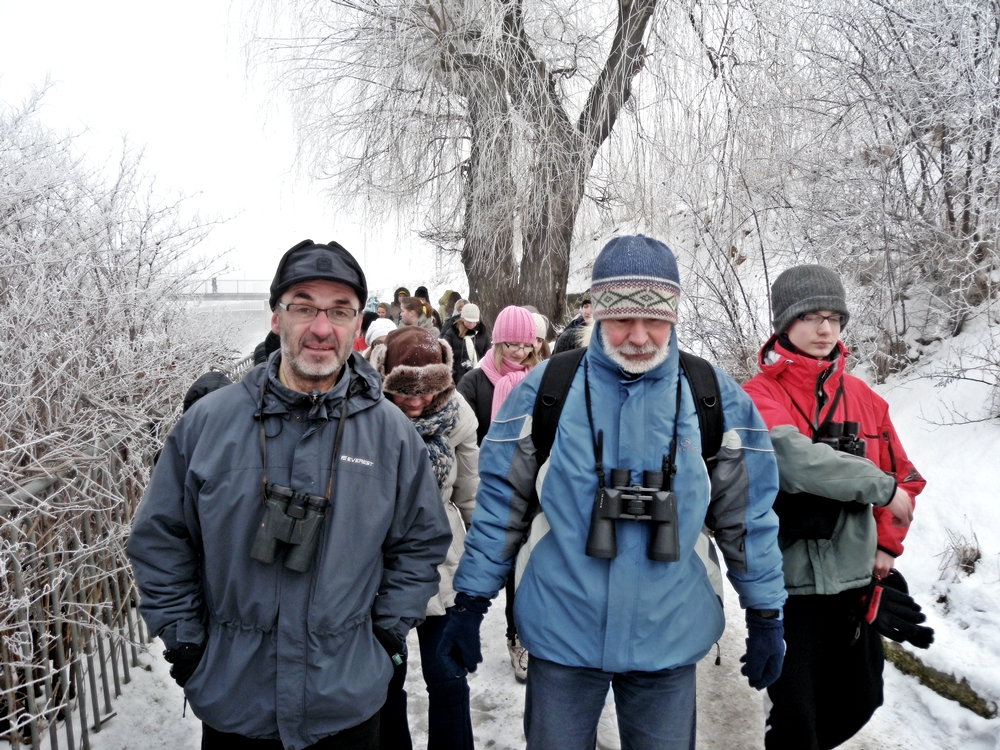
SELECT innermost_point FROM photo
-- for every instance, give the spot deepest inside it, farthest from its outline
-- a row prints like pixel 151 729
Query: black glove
pixel 459 649
pixel 765 651
pixel 393 646
pixel 890 609
pixel 184 660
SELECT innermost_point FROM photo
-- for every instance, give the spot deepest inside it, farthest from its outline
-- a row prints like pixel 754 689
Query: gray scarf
pixel 435 429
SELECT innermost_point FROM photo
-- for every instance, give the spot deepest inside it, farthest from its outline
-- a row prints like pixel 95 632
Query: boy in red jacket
pixel 845 504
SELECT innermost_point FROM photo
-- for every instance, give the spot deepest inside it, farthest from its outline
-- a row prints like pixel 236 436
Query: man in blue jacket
pixel 291 532
pixel 630 614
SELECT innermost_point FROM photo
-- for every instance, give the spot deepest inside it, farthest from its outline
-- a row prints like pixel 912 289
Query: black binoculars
pixel 843 436
pixel 292 518
pixel 645 502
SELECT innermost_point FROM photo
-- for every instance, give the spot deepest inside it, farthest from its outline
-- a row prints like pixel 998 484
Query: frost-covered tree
pixel 97 348
pixel 481 117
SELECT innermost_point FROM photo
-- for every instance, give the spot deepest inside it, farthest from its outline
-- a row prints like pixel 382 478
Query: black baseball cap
pixel 308 261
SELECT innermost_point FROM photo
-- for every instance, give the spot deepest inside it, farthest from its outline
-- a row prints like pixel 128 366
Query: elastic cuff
pixel 887 551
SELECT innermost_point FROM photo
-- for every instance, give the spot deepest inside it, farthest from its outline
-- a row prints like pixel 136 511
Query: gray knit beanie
pixel 804 289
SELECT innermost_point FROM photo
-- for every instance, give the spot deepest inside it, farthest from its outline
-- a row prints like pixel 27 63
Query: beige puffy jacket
pixel 459 497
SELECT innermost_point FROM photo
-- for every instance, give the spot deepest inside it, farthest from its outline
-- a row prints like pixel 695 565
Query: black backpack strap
pixel 549 401
pixel 707 402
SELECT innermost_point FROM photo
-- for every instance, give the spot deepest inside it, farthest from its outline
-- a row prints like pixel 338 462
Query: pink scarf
pixel 503 379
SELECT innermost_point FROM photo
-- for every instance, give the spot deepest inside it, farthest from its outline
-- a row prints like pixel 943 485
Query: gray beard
pixel 617 355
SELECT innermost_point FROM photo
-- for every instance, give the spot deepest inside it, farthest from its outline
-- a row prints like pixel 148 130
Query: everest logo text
pixel 353 460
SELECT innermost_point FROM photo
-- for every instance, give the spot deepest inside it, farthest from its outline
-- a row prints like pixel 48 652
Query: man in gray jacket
pixel 291 532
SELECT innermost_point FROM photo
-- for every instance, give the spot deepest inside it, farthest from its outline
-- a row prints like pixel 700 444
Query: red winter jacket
pixel 785 393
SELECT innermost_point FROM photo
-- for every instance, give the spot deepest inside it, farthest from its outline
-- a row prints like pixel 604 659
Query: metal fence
pixel 69 628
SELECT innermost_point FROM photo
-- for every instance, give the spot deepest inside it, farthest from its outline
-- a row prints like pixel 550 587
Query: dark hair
pixel 366 320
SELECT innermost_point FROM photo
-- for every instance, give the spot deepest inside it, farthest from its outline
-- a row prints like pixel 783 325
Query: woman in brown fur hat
pixel 416 376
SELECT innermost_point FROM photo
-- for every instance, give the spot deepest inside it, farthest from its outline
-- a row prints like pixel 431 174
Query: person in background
pixel 446 305
pixel 459 305
pixel 372 302
pixel 397 297
pixel 862 491
pixel 485 388
pixel 377 332
pixel 382 310
pixel 264 349
pixel 572 335
pixel 282 599
pixel 415 312
pixel 367 317
pixel 541 332
pixel 423 295
pixel 416 376
pixel 635 615
pixel 469 341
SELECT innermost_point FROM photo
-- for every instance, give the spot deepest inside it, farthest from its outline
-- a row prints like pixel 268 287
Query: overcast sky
pixel 171 78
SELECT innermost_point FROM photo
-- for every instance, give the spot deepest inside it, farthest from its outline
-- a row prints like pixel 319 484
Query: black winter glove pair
pixel 184 660
pixel 459 648
pixel 392 645
pixel 890 609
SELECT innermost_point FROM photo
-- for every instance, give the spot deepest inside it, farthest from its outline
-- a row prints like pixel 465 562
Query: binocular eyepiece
pixel 844 437
pixel 291 518
pixel 628 502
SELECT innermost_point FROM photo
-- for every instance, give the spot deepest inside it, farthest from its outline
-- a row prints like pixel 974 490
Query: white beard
pixel 633 367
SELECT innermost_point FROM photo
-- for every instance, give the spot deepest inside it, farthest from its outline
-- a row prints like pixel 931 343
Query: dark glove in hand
pixel 892 612
pixel 184 661
pixel 393 646
pixel 459 649
pixel 765 651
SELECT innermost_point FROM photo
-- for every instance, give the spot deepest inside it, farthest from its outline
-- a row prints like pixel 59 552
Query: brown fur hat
pixel 414 363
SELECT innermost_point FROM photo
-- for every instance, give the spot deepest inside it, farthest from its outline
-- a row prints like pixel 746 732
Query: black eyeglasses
pixel 301 313
pixel 815 319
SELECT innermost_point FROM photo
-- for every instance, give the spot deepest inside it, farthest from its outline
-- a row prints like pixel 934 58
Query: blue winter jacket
pixel 628 613
pixel 289 655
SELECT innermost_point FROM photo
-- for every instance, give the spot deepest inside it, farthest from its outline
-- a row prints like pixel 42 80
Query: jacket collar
pixel 797 370
pixel 364 383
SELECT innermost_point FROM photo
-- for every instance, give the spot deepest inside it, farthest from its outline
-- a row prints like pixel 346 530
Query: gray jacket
pixel 289 655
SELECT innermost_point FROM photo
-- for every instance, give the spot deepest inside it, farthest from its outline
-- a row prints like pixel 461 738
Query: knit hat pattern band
pixel 635 277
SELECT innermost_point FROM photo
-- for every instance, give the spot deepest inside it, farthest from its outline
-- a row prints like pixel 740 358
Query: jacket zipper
pixel 892 456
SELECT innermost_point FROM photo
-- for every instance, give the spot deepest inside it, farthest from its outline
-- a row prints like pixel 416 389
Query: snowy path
pixel 730 713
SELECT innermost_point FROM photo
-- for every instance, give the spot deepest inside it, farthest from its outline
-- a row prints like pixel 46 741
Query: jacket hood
pixel 364 382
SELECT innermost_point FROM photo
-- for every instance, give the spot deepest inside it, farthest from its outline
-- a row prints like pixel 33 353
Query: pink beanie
pixel 514 325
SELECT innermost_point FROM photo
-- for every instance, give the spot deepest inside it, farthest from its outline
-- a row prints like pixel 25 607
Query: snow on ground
pixel 958 463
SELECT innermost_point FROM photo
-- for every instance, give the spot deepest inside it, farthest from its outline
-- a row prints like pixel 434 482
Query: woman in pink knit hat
pixel 485 388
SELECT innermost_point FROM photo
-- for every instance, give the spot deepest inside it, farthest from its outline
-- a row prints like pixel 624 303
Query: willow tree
pixel 481 118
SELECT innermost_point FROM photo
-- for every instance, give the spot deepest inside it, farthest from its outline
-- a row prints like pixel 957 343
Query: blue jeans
pixel 656 710
pixel 449 720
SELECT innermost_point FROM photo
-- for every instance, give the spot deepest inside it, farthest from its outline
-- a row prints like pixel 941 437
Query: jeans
pixel 656 710
pixel 448 716
pixel 362 737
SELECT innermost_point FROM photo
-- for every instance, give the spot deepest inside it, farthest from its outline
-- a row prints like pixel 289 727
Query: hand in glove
pixel 459 648
pixel 765 650
pixel 184 661
pixel 393 646
pixel 890 609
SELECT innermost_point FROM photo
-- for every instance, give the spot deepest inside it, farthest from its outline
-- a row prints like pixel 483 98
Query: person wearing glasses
pixel 846 501
pixel 291 532
pixel 485 388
